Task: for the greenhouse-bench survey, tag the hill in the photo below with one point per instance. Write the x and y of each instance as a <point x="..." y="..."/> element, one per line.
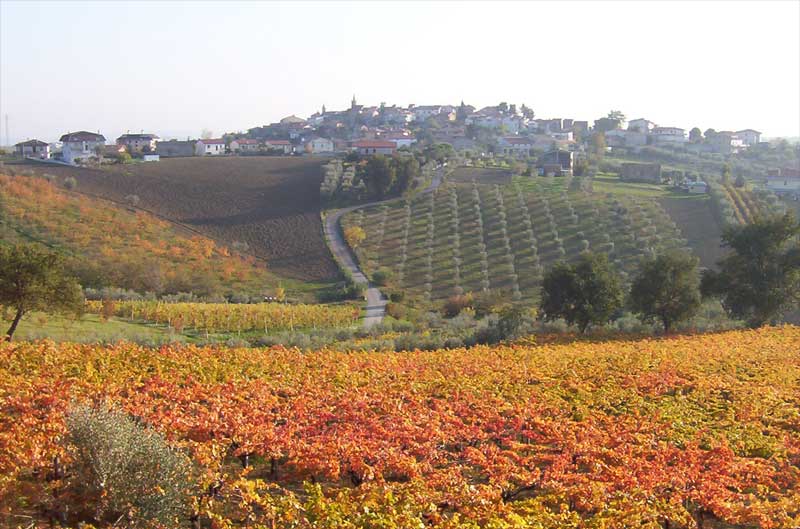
<point x="468" y="238"/>
<point x="269" y="204"/>
<point x="108" y="245"/>
<point x="674" y="432"/>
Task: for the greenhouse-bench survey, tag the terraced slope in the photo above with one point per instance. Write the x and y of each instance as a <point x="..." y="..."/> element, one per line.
<point x="475" y="237"/>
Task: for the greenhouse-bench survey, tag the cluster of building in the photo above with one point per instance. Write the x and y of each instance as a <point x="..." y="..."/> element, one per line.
<point x="641" y="132"/>
<point x="502" y="129"/>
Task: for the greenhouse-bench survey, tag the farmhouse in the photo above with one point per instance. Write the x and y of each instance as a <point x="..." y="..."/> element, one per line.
<point x="698" y="187"/>
<point x="245" y="145"/>
<point x="515" y="146"/>
<point x="668" y="135"/>
<point x="81" y="145"/>
<point x="557" y="162"/>
<point x="279" y="145"/>
<point x="641" y="172"/>
<point x="642" y="125"/>
<point x="138" y="142"/>
<point x="400" y="139"/>
<point x="211" y="147"/>
<point x="318" y="145"/>
<point x="369" y="147"/>
<point x="33" y="149"/>
<point x="175" y="148"/>
<point x="749" y="136"/>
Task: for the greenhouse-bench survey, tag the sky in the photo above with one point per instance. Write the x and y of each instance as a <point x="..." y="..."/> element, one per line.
<point x="177" y="68"/>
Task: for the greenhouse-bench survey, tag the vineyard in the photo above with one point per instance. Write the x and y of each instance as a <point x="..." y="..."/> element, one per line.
<point x="228" y="317"/>
<point x="737" y="205"/>
<point x="123" y="248"/>
<point x="690" y="431"/>
<point x="472" y="238"/>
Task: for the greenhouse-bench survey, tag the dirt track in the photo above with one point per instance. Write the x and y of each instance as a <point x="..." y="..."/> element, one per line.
<point x="270" y="203"/>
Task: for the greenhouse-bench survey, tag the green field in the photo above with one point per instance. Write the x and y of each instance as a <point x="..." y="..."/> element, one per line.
<point x="470" y="238"/>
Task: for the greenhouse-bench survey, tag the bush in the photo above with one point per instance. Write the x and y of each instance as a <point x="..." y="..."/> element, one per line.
<point x="70" y="183"/>
<point x="121" y="469"/>
<point x="455" y="304"/>
<point x="382" y="276"/>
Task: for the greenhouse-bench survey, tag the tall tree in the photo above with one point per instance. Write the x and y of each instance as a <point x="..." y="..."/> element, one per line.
<point x="34" y="279"/>
<point x="759" y="280"/>
<point x="617" y="115"/>
<point x="695" y="135"/>
<point x="585" y="293"/>
<point x="606" y="124"/>
<point x="666" y="289"/>
<point x="599" y="144"/>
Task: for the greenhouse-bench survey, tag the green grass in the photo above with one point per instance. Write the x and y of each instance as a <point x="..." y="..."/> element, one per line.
<point x="90" y="328"/>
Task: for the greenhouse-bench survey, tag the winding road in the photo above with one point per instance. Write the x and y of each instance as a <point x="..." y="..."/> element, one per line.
<point x="376" y="301"/>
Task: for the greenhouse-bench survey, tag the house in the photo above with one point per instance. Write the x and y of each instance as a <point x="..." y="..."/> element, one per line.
<point x="557" y="162"/>
<point x="641" y="172"/>
<point x="318" y="145"/>
<point x="138" y="142"/>
<point x="279" y="145"/>
<point x="783" y="185"/>
<point x="726" y="142"/>
<point x="209" y="147"/>
<point x="400" y="139"/>
<point x="33" y="149"/>
<point x="370" y="147"/>
<point x="749" y="136"/>
<point x="642" y="125"/>
<point x="625" y="138"/>
<point x="175" y="148"/>
<point x="245" y="145"/>
<point x="421" y="113"/>
<point x="668" y="135"/>
<point x="698" y="187"/>
<point x="561" y="135"/>
<point x="517" y="146"/>
<point x="81" y="145"/>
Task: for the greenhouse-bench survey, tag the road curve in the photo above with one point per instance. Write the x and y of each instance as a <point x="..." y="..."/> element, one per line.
<point x="376" y="301"/>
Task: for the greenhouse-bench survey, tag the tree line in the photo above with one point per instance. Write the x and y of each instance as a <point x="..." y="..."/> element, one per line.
<point x="757" y="282"/>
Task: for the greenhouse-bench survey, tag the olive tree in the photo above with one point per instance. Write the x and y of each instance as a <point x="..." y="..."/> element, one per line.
<point x="35" y="279"/>
<point x="666" y="289"/>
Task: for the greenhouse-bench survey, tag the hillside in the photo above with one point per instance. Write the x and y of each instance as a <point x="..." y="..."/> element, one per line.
<point x="109" y="245"/>
<point x="269" y="204"/>
<point x="467" y="238"/>
<point x="687" y="431"/>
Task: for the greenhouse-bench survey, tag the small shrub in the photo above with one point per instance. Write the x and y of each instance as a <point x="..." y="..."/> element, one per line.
<point x="123" y="469"/>
<point x="382" y="276"/>
<point x="70" y="183"/>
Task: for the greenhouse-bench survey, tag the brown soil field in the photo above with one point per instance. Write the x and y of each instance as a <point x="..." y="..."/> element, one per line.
<point x="270" y="203"/>
<point x="699" y="226"/>
<point x="482" y="175"/>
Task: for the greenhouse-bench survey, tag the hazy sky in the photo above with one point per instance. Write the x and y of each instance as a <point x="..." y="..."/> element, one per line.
<point x="177" y="68"/>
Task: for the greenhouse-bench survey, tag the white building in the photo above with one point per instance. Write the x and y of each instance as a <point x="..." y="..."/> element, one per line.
<point x="245" y="145"/>
<point x="210" y="147"/>
<point x="515" y="146"/>
<point x="668" y="135"/>
<point x="749" y="136"/>
<point x="319" y="146"/>
<point x="81" y="145"/>
<point x="642" y="125"/>
<point x="282" y="145"/>
<point x="424" y="112"/>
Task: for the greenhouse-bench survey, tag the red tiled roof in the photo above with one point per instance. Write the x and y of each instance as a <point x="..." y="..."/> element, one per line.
<point x="518" y="141"/>
<point x="31" y="143"/>
<point x="277" y="142"/>
<point x="374" y="144"/>
<point x="246" y="141"/>
<point x="212" y="141"/>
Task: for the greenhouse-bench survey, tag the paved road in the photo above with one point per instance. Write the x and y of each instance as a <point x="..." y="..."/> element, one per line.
<point x="376" y="301"/>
